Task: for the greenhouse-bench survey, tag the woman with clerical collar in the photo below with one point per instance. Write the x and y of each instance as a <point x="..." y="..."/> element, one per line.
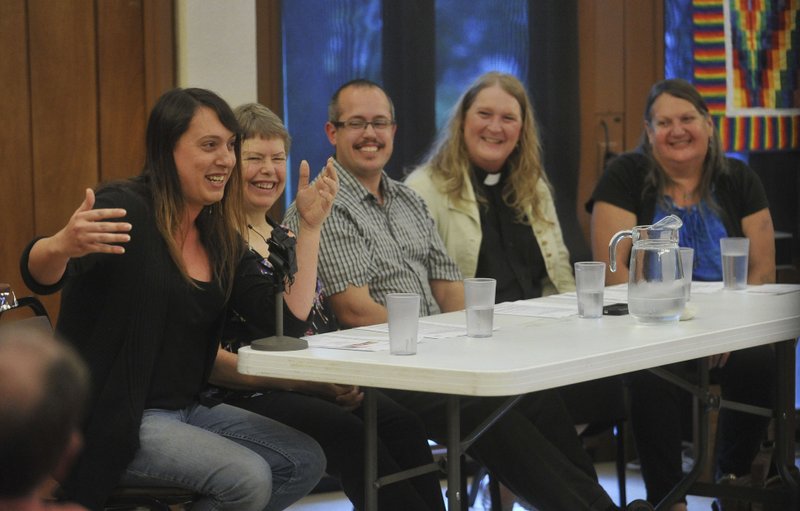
<point x="486" y="187"/>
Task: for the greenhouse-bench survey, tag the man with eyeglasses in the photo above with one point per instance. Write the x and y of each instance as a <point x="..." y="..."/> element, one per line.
<point x="380" y="239"/>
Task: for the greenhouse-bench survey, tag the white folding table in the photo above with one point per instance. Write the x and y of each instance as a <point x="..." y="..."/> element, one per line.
<point x="527" y="354"/>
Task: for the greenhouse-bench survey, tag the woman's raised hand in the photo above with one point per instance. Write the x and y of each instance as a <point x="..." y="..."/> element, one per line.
<point x="314" y="201"/>
<point x="89" y="231"/>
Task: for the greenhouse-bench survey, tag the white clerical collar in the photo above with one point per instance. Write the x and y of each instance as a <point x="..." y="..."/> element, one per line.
<point x="492" y="179"/>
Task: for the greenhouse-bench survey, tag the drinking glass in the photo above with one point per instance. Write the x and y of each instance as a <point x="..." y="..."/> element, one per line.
<point x="734" y="262"/>
<point x="590" y="280"/>
<point x="479" y="304"/>
<point x="403" y="322"/>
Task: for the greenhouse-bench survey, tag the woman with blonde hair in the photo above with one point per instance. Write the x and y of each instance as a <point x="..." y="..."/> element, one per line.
<point x="488" y="193"/>
<point x="486" y="187"/>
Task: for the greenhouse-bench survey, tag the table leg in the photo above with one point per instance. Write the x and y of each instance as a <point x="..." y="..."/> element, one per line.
<point x="453" y="453"/>
<point x="783" y="414"/>
<point x="703" y="403"/>
<point x="785" y="358"/>
<point x="370" y="451"/>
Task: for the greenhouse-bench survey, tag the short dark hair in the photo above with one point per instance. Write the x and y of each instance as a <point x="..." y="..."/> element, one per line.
<point x="44" y="385"/>
<point x="333" y="107"/>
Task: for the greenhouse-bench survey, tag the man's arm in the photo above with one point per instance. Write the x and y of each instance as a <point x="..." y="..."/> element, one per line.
<point x="355" y="307"/>
<point x="449" y="294"/>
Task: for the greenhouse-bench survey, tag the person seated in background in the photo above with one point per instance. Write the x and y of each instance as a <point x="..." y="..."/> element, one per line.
<point x="380" y="238"/>
<point x="488" y="192"/>
<point x="149" y="267"/>
<point x="680" y="169"/>
<point x="43" y="390"/>
<point x="329" y="413"/>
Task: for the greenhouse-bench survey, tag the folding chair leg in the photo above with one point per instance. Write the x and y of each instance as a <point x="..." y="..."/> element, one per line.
<point x="620" y="438"/>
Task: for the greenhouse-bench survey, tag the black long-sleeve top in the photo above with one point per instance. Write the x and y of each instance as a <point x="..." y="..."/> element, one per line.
<point x="119" y="311"/>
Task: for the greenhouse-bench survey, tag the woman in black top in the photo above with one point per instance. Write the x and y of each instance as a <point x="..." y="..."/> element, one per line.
<point x="148" y="268"/>
<point x="681" y="169"/>
<point x="330" y="413"/>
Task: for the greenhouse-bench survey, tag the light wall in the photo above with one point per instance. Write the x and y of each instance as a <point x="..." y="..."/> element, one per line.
<point x="216" y="47"/>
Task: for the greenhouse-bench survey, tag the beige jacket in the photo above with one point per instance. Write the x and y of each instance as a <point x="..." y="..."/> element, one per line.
<point x="459" y="225"/>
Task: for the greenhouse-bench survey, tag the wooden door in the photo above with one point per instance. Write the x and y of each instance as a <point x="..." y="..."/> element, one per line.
<point x="78" y="79"/>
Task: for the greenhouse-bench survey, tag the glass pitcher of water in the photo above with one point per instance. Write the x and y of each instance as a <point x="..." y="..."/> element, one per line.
<point x="655" y="280"/>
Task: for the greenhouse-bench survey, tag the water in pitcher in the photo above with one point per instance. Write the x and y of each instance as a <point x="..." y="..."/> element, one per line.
<point x="656" y="302"/>
<point x="656" y="286"/>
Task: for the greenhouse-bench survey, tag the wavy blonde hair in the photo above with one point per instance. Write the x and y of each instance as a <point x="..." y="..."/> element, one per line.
<point x="450" y="161"/>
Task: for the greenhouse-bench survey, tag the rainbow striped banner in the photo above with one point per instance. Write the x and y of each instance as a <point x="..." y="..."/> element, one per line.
<point x="747" y="67"/>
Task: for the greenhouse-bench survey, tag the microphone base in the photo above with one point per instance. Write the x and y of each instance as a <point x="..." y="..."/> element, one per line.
<point x="279" y="343"/>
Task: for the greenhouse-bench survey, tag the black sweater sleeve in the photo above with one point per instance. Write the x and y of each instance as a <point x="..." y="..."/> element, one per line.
<point x="253" y="298"/>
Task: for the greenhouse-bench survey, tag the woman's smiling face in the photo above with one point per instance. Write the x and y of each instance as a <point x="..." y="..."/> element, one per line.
<point x="264" y="171"/>
<point x="492" y="127"/>
<point x="678" y="132"/>
<point x="204" y="157"/>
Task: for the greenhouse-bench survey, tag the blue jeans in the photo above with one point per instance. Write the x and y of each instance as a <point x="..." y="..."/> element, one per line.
<point x="239" y="460"/>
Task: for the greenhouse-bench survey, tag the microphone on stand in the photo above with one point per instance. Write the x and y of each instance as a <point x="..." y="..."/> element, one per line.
<point x="282" y="257"/>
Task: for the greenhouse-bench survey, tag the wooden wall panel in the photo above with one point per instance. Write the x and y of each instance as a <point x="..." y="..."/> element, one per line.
<point x="621" y="56"/>
<point x="608" y="49"/>
<point x="159" y="49"/>
<point x="63" y="110"/>
<point x="63" y="107"/>
<point x="644" y="62"/>
<point x="78" y="80"/>
<point x="269" y="55"/>
<point x="121" y="79"/>
<point x="269" y="58"/>
<point x="16" y="172"/>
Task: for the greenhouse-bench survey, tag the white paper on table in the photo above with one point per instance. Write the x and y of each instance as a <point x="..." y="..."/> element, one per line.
<point x="701" y="287"/>
<point x="542" y="308"/>
<point x="773" y="289"/>
<point x="434" y="330"/>
<point x="706" y="288"/>
<point x="426" y="329"/>
<point x="358" y="339"/>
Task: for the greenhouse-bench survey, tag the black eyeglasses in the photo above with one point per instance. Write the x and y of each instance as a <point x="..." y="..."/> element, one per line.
<point x="361" y="124"/>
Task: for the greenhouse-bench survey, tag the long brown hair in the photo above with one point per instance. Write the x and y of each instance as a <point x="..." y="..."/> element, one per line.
<point x="220" y="223"/>
<point x="714" y="164"/>
<point x="450" y="162"/>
